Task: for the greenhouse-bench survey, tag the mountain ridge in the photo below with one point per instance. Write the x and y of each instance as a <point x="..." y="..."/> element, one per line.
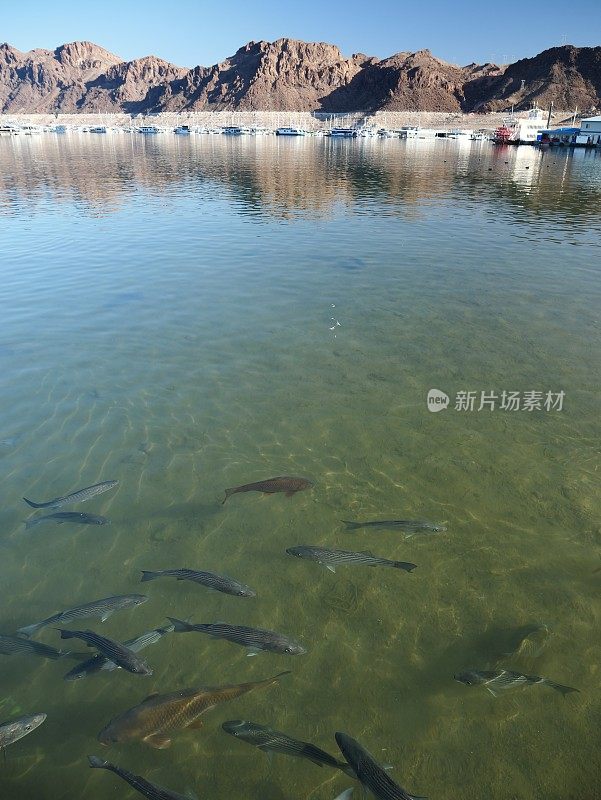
<point x="292" y="75"/>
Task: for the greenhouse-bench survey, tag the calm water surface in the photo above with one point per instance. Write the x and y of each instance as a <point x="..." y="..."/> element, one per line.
<point x="170" y="312"/>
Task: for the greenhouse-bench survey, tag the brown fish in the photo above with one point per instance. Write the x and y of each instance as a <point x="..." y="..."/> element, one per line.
<point x="285" y="483"/>
<point x="159" y="714"/>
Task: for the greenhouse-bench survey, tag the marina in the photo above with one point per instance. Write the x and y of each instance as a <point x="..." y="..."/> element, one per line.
<point x="527" y="128"/>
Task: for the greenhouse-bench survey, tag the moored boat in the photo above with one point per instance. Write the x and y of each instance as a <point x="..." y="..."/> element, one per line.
<point x="289" y="131"/>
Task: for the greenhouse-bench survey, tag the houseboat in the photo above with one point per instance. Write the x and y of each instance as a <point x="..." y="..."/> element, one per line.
<point x="288" y="131"/>
<point x="148" y="129"/>
<point x="182" y="130"/>
<point x="343" y="133"/>
<point x="522" y="130"/>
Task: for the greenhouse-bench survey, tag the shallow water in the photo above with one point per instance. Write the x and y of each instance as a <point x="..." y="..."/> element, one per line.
<point x="169" y="319"/>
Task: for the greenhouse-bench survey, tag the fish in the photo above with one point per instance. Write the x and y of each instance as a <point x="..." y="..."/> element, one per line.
<point x="333" y="558"/>
<point x="221" y="583"/>
<point x="97" y="608"/>
<point x="346" y="795"/>
<point x="369" y="773"/>
<point x="76" y="497"/>
<point x="254" y="639"/>
<point x="502" y="679"/>
<point x="271" y="741"/>
<point x="98" y="663"/>
<point x="10" y="645"/>
<point x="16" y="729"/>
<point x="412" y="526"/>
<point x="287" y="484"/>
<point x="68" y="516"/>
<point x="121" y="655"/>
<point x="140" y="784"/>
<point x="159" y="714"/>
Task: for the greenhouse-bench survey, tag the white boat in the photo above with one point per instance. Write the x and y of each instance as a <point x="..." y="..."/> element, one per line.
<point x="148" y="129"/>
<point x="385" y="133"/>
<point x="526" y="130"/>
<point x="408" y="132"/>
<point x="343" y="133"/>
<point x="10" y="129"/>
<point x="30" y="130"/>
<point x="182" y="130"/>
<point x="98" y="129"/>
<point x="232" y="130"/>
<point x="479" y="136"/>
<point x="288" y="131"/>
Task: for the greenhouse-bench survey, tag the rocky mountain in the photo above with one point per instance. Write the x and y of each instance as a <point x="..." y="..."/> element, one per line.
<point x="292" y="75"/>
<point x="568" y="76"/>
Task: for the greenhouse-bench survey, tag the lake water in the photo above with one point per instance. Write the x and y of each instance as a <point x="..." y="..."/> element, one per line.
<point x="186" y="314"/>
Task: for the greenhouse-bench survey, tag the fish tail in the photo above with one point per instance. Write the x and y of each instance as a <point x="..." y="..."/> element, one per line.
<point x="228" y="492"/>
<point x="179" y="625"/>
<point x="406" y="565"/>
<point x="34" y="505"/>
<point x="29" y="630"/>
<point x="351" y="526"/>
<point x="65" y="634"/>
<point x="561" y="688"/>
<point x="94" y="761"/>
<point x="148" y="576"/>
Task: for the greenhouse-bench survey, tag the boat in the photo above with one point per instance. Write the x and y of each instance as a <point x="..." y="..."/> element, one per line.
<point x="10" y="129"/>
<point x="98" y="129"/>
<point x="148" y="129"/>
<point x="521" y="130"/>
<point x="288" y="131"/>
<point x="182" y="130"/>
<point x="385" y="133"/>
<point x="479" y="136"/>
<point x="30" y="130"/>
<point x="232" y="130"/>
<point x="343" y="133"/>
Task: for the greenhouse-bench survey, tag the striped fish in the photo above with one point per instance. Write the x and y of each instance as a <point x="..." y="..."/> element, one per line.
<point x="150" y="790"/>
<point x="11" y="732"/>
<point x="254" y="639"/>
<point x="99" y="662"/>
<point x="221" y="583"/>
<point x="77" y="497"/>
<point x="271" y="741"/>
<point x="114" y="651"/>
<point x="11" y="645"/>
<point x="369" y="773"/>
<point x="333" y="558"/>
<point x="97" y="608"/>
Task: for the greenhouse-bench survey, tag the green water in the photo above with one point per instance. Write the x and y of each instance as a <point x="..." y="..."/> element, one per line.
<point x="167" y="314"/>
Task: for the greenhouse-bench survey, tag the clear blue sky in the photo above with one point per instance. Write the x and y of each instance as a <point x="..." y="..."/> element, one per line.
<point x="190" y="33"/>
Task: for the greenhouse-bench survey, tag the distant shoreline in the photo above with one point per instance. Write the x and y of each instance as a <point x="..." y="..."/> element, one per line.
<point x="309" y="121"/>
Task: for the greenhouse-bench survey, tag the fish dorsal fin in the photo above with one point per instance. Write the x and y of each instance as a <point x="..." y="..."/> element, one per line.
<point x="367" y="553"/>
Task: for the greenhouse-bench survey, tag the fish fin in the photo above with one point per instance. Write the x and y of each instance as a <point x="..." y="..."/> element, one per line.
<point x="368" y="553"/>
<point x="346" y="795"/>
<point x="148" y="576"/>
<point x="406" y="565"/>
<point x="252" y="653"/>
<point x="94" y="761"/>
<point x="351" y="526"/>
<point x="196" y="725"/>
<point x="228" y="492"/>
<point x="106" y="615"/>
<point x="417" y="797"/>
<point x="488" y="689"/>
<point x="34" y="505"/>
<point x="561" y="688"/>
<point x="157" y="740"/>
<point x="409" y="535"/>
<point x="330" y="567"/>
<point x="150" y="696"/>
